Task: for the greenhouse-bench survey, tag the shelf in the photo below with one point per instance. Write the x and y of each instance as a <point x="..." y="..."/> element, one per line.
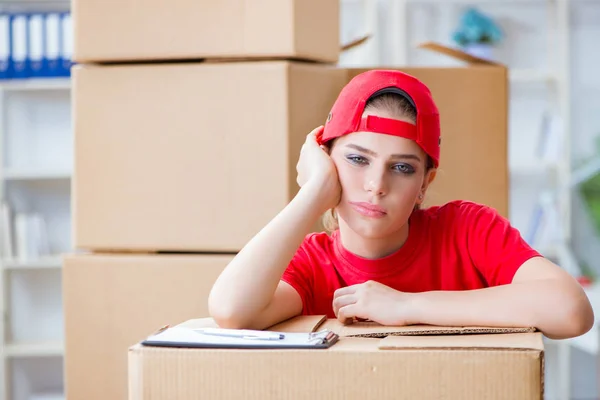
<point x="35" y="84"/>
<point x="47" y="396"/>
<point x="531" y="168"/>
<point x="23" y="175"/>
<point x="530" y="75"/>
<point x="48" y="262"/>
<point x="34" y="349"/>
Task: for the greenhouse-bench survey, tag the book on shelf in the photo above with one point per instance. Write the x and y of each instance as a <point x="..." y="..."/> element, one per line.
<point x="24" y="235"/>
<point x="31" y="236"/>
<point x="7" y="248"/>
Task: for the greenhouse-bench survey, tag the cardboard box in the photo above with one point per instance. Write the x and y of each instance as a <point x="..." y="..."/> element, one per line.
<point x="112" y="301"/>
<point x="193" y="156"/>
<point x="183" y="29"/>
<point x="201" y="156"/>
<point x="368" y="362"/>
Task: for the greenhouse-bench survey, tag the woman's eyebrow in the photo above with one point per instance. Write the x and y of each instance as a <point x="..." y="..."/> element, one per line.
<point x="393" y="156"/>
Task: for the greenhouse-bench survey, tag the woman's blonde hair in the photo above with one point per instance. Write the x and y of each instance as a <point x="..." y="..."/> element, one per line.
<point x="396" y="105"/>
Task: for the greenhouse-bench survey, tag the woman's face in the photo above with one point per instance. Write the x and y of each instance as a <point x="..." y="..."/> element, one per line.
<point x="381" y="178"/>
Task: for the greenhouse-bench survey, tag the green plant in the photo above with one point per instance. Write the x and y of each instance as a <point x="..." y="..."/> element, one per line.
<point x="590" y="192"/>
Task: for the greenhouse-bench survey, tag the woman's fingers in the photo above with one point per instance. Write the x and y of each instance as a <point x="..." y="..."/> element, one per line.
<point x="314" y="134"/>
<point x="342" y="301"/>
<point x="347" y="313"/>
<point x="345" y="290"/>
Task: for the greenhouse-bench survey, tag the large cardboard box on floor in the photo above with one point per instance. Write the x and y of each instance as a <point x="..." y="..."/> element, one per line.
<point x="185" y="29"/>
<point x="367" y="362"/>
<point x="201" y="156"/>
<point x="112" y="301"/>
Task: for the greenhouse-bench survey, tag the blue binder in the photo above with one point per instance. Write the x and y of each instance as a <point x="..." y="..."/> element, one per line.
<point x="36" y="45"/>
<point x="66" y="34"/>
<point x="5" y="39"/>
<point x="52" y="44"/>
<point x="19" y="46"/>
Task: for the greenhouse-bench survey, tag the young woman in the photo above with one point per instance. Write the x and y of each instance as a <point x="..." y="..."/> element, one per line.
<point x="387" y="259"/>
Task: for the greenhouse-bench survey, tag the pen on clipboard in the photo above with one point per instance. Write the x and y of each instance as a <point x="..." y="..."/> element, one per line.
<point x="242" y="333"/>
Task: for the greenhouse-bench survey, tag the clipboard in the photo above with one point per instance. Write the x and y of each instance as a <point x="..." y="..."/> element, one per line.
<point x="217" y="338"/>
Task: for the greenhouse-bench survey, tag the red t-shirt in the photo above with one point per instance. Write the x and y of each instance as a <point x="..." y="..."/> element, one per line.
<point x="458" y="246"/>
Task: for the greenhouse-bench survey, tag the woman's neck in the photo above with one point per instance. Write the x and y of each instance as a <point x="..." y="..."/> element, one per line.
<point x="372" y="248"/>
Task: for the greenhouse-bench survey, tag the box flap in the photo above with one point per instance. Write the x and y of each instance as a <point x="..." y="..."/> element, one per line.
<point x="312" y="323"/>
<point x="456" y="53"/>
<point x="355" y="43"/>
<point x="301" y="323"/>
<point x="511" y="341"/>
<point x="372" y="329"/>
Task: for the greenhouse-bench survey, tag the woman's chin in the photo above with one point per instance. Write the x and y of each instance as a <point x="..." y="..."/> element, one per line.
<point x="370" y="229"/>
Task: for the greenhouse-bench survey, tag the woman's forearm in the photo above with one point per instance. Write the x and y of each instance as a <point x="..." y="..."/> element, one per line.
<point x="248" y="283"/>
<point x="556" y="309"/>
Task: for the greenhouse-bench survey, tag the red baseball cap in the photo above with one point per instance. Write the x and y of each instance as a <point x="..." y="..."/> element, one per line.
<point x="346" y="114"/>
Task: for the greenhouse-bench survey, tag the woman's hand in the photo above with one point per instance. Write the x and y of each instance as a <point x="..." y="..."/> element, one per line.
<point x="373" y="301"/>
<point x="316" y="169"/>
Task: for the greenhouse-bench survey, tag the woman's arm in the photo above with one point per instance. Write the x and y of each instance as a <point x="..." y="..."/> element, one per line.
<point x="542" y="295"/>
<point x="244" y="290"/>
<point x="249" y="292"/>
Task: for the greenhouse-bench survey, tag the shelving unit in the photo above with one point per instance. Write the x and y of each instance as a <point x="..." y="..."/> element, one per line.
<point x="45" y="262"/>
<point x="24" y="175"/>
<point x="36" y="163"/>
<point x="35" y="172"/>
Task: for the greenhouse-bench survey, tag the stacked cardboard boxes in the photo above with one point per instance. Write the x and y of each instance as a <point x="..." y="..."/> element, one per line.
<point x="188" y="121"/>
<point x="189" y="117"/>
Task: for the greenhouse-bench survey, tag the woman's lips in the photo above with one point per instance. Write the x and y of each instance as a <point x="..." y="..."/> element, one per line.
<point x="368" y="209"/>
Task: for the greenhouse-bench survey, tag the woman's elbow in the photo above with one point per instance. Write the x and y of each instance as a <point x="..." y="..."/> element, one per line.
<point x="223" y="312"/>
<point x="582" y="317"/>
<point x="577" y="318"/>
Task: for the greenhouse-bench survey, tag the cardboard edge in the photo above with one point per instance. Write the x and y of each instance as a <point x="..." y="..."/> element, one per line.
<point x="438" y="331"/>
<point x="374" y="330"/>
<point x="457" y="54"/>
<point x="493" y="342"/>
<point x="466" y="348"/>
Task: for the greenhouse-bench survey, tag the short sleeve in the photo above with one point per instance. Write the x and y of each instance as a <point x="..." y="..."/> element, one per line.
<point x="495" y="246"/>
<point x="299" y="274"/>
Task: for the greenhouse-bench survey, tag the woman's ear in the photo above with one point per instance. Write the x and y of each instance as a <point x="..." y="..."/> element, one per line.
<point x="429" y="178"/>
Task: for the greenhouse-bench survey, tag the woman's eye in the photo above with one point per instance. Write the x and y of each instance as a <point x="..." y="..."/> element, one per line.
<point x="404" y="168"/>
<point x="356" y="159"/>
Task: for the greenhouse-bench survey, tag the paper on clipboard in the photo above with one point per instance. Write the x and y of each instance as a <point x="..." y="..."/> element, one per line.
<point x="242" y="339"/>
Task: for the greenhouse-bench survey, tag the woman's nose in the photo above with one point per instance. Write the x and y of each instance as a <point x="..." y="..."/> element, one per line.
<point x="375" y="184"/>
